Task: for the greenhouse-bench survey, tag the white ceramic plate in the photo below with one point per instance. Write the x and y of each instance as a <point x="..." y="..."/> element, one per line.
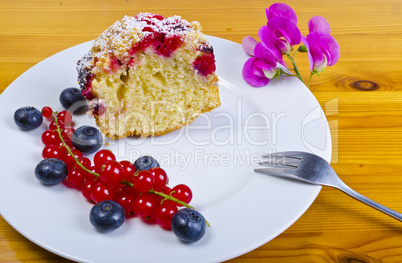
<point x="215" y="156"/>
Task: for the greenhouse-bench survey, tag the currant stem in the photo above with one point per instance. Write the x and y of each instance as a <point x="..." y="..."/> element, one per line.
<point x="68" y="148"/>
<point x="169" y="197"/>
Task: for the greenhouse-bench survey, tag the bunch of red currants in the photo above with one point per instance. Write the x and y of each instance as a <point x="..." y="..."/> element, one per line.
<point x="141" y="192"/>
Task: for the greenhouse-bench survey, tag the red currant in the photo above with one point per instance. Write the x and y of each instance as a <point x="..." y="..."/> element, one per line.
<point x="131" y="191"/>
<point x="53" y="151"/>
<point x="164" y="214"/>
<point x="118" y="188"/>
<point x="53" y="126"/>
<point x="160" y="178"/>
<point x="95" y="169"/>
<point x="103" y="156"/>
<point x="47" y="112"/>
<point x="87" y="189"/>
<point x="167" y="191"/>
<point x="68" y="132"/>
<point x="144" y="205"/>
<point x="66" y="139"/>
<point x="129" y="170"/>
<point x="86" y="162"/>
<point x="76" y="177"/>
<point x="65" y="116"/>
<point x="90" y="176"/>
<point x="159" y="199"/>
<point x="66" y="183"/>
<point x="102" y="192"/>
<point x="125" y="200"/>
<point x="50" y="137"/>
<point x="69" y="144"/>
<point x="68" y="158"/>
<point x="144" y="181"/>
<point x="111" y="172"/>
<point x="183" y="193"/>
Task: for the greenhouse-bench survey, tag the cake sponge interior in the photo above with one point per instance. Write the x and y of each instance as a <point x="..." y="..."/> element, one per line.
<point x="154" y="96"/>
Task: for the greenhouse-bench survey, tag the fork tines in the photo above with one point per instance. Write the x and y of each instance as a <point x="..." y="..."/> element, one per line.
<point x="281" y="160"/>
<point x="289" y="154"/>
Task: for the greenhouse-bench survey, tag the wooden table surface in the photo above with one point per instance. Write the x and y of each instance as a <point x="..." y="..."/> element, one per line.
<point x="361" y="96"/>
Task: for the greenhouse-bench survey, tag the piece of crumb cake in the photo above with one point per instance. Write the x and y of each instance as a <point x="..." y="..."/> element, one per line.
<point x="147" y="75"/>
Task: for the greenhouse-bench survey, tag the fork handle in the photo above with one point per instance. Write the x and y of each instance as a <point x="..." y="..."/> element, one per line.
<point x="346" y="189"/>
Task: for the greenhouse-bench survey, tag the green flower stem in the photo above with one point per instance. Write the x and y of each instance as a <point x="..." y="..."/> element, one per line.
<point x="69" y="150"/>
<point x="295" y="67"/>
<point x="290" y="75"/>
<point x="294" y="54"/>
<point x="309" y="80"/>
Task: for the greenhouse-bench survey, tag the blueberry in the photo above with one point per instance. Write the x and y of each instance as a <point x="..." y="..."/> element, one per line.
<point x="28" y="118"/>
<point x="72" y="100"/>
<point x="51" y="171"/>
<point x="87" y="139"/>
<point x="188" y="225"/>
<point x="107" y="215"/>
<point x="145" y="162"/>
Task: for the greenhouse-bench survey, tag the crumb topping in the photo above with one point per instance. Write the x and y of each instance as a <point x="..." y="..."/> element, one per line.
<point x="85" y="76"/>
<point x="126" y="43"/>
<point x="122" y="35"/>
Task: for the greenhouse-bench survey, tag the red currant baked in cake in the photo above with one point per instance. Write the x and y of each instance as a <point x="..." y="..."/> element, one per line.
<point x="148" y="75"/>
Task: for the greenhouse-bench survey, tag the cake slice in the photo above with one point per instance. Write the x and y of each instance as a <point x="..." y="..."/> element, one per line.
<point x="147" y="75"/>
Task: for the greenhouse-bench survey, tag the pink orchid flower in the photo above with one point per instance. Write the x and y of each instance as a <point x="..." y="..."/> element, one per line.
<point x="281" y="32"/>
<point x="323" y="50"/>
<point x="278" y="38"/>
<point x="259" y="70"/>
<point x="249" y="44"/>
<point x="279" y="35"/>
<point x="281" y="10"/>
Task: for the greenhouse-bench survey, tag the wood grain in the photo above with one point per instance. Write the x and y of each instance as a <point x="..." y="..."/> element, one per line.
<point x="361" y="95"/>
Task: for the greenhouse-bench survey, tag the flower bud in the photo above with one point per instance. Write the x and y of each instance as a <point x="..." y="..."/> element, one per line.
<point x="303" y="49"/>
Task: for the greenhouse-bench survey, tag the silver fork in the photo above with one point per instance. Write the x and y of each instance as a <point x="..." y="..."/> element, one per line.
<point x="313" y="169"/>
